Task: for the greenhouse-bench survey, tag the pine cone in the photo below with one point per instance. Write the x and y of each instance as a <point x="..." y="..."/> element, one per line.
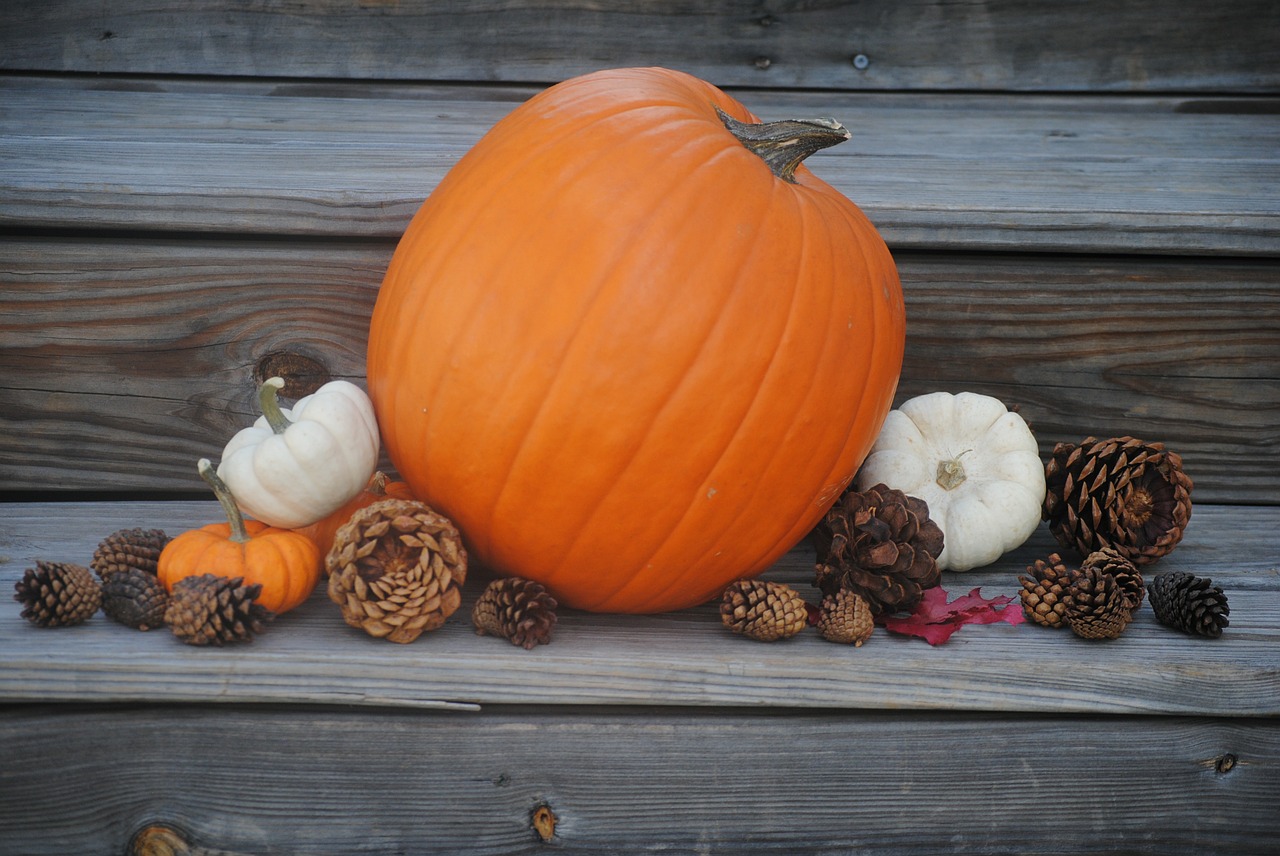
<point x="518" y="610"/>
<point x="134" y="598"/>
<point x="129" y="548"/>
<point x="881" y="544"/>
<point x="57" y="594"/>
<point x="845" y="617"/>
<point x="1095" y="605"/>
<point x="1121" y="493"/>
<point x="1109" y="561"/>
<point x="1189" y="603"/>
<point x="1043" y="591"/>
<point x="396" y="569"/>
<point x="212" y="610"/>
<point x="764" y="611"/>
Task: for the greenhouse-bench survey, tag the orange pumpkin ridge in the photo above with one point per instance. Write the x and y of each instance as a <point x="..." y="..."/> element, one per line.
<point x="626" y="356"/>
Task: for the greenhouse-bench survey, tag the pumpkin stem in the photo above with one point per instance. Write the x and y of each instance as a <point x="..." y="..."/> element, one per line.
<point x="269" y="401"/>
<point x="951" y="473"/>
<point x="783" y="145"/>
<point x="238" y="532"/>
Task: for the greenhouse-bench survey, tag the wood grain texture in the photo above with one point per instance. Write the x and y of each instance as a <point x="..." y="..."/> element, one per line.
<point x="682" y="658"/>
<point x="1143" y="45"/>
<point x="331" y="781"/>
<point x="124" y="361"/>
<point x="1033" y="173"/>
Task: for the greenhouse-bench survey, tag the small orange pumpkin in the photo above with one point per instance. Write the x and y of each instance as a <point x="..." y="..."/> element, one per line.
<point x="321" y="532"/>
<point x="285" y="563"/>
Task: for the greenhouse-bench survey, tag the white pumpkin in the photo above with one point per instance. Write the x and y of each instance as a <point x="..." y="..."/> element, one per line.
<point x="973" y="461"/>
<point x="296" y="466"/>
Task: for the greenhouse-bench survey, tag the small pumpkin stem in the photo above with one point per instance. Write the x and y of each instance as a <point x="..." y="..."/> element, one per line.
<point x="269" y="401"/>
<point x="783" y="145"/>
<point x="951" y="473"/>
<point x="238" y="532"/>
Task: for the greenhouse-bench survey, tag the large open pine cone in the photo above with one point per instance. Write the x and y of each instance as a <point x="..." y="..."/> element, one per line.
<point x="396" y="569"/>
<point x="881" y="544"/>
<point x="1121" y="493"/>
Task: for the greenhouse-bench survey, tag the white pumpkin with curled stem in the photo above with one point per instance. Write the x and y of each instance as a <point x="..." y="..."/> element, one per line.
<point x="973" y="461"/>
<point x="295" y="466"/>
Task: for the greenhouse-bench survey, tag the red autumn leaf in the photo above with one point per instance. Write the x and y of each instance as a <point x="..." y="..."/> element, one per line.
<point x="934" y="619"/>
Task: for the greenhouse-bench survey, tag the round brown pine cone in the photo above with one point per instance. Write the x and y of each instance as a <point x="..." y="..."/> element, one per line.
<point x="881" y="544"/>
<point x="134" y="598"/>
<point x="1095" y="605"/>
<point x="396" y="569"/>
<point x="213" y="610"/>
<point x="57" y="594"/>
<point x="845" y="617"/>
<point x="1043" y="590"/>
<point x="518" y="610"/>
<point x="1189" y="603"/>
<point x="1121" y="493"/>
<point x="1109" y="561"/>
<point x="129" y="548"/>
<point x="764" y="611"/>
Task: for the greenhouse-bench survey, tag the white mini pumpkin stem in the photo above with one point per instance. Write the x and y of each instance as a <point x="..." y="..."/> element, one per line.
<point x="238" y="531"/>
<point x="269" y="401"/>
<point x="951" y="472"/>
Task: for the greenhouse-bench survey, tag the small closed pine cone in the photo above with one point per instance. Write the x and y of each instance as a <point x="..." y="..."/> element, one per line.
<point x="58" y="594"/>
<point x="134" y="598"/>
<point x="881" y="544"/>
<point x="764" y="611"/>
<point x="1043" y="591"/>
<point x="845" y="617"/>
<point x="1189" y="603"/>
<point x="211" y="610"/>
<point x="396" y="569"/>
<point x="1109" y="561"/>
<point x="1095" y="605"/>
<point x="518" y="610"/>
<point x="129" y="548"/>
<point x="1122" y="493"/>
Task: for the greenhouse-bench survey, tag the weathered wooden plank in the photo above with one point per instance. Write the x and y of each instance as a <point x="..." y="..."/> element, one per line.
<point x="872" y="44"/>
<point x="322" y="781"/>
<point x="960" y="171"/>
<point x="122" y="362"/>
<point x="674" y="659"/>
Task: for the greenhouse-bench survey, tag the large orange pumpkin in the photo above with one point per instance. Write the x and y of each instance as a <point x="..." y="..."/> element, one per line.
<point x="632" y="353"/>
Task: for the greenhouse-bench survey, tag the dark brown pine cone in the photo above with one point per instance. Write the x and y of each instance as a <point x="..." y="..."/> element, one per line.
<point x="57" y="594"/>
<point x="134" y="598"/>
<point x="881" y="544"/>
<point x="129" y="548"/>
<point x="518" y="610"/>
<point x="1043" y="591"/>
<point x="213" y="610"/>
<point x="764" y="611"/>
<point x="845" y="617"/>
<point x="1122" y="493"/>
<point x="1109" y="561"/>
<point x="1189" y="603"/>
<point x="1095" y="605"/>
<point x="396" y="569"/>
